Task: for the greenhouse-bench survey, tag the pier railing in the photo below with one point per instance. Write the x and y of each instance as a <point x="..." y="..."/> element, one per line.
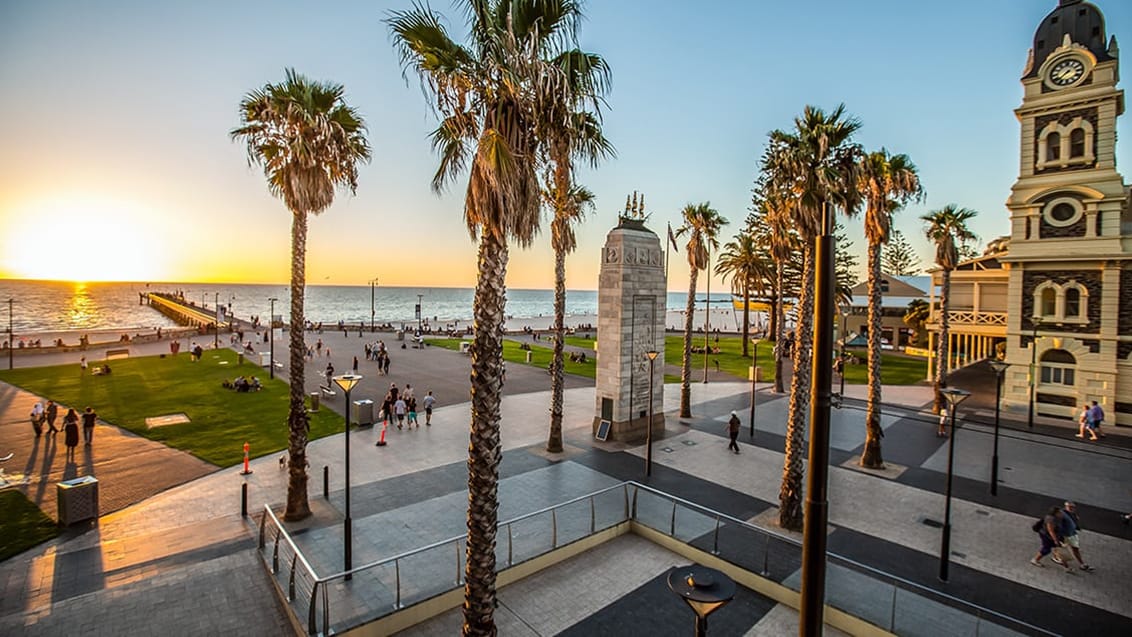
<point x="336" y="602"/>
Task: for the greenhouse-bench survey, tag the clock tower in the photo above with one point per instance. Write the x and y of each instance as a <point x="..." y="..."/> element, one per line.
<point x="1069" y="326"/>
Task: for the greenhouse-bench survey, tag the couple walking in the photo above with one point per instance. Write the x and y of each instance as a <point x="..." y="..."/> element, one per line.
<point x="1090" y="421"/>
<point x="1058" y="529"/>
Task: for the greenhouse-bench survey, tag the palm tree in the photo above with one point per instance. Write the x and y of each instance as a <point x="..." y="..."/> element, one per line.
<point x="309" y="142"/>
<point x="568" y="132"/>
<point x="946" y="228"/>
<point x="915" y="317"/>
<point x="702" y="224"/>
<point x="817" y="163"/>
<point x="487" y="95"/>
<point x="783" y="246"/>
<point x="888" y="183"/>
<point x="568" y="211"/>
<point x="742" y="262"/>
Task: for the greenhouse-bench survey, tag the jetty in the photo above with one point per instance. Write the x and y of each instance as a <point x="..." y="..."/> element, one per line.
<point x="183" y="311"/>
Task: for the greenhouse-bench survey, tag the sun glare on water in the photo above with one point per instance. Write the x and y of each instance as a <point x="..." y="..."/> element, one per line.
<point x="87" y="240"/>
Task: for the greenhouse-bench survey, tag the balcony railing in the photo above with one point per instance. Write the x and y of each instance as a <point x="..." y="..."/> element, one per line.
<point x="335" y="603"/>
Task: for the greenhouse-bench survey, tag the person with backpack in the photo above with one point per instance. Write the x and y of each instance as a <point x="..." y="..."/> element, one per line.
<point x="1070" y="524"/>
<point x="1048" y="529"/>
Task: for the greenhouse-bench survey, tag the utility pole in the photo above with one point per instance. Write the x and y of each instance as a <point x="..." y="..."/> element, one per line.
<point x="11" y="337"/>
<point x="420" y="297"/>
<point x="372" y="305"/>
<point x="271" y="335"/>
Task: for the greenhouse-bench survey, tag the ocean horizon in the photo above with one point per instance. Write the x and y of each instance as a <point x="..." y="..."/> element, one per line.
<point x="50" y="307"/>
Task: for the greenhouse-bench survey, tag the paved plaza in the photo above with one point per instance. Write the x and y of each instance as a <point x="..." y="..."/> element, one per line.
<point x="181" y="560"/>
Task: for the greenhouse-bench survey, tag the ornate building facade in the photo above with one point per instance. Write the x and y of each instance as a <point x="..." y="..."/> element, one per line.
<point x="1068" y="264"/>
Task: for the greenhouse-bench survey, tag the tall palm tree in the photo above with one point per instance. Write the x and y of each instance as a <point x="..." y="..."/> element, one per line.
<point x="702" y="224"/>
<point x="783" y="246"/>
<point x="742" y="262"/>
<point x="309" y="142"/>
<point x="817" y="162"/>
<point x="946" y="228"/>
<point x="487" y="95"/>
<point x="888" y="183"/>
<point x="568" y="131"/>
<point x="568" y="211"/>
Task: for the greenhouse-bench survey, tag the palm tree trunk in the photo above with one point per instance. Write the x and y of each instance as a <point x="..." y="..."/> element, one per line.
<point x="871" y="457"/>
<point x="746" y="319"/>
<point x="790" y="495"/>
<point x="298" y="424"/>
<point x="686" y="365"/>
<point x="941" y="347"/>
<point x="554" y="443"/>
<point x="779" y="321"/>
<point x="484" y="451"/>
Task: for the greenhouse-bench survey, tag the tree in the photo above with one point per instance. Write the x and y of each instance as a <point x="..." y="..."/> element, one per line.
<point x="844" y="264"/>
<point x="487" y="95"/>
<point x="969" y="250"/>
<point x="888" y="183"/>
<point x="916" y="317"/>
<point x="741" y="262"/>
<point x="702" y="224"/>
<point x="309" y="143"/>
<point x="946" y="228"/>
<point x="816" y="164"/>
<point x="568" y="132"/>
<point x="898" y="257"/>
<point x="770" y="223"/>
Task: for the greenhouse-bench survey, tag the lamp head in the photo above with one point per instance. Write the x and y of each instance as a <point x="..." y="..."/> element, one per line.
<point x="652" y="354"/>
<point x="955" y="395"/>
<point x="999" y="366"/>
<point x="346" y="382"/>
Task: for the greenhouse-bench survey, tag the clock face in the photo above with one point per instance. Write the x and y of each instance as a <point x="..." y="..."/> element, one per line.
<point x="1066" y="72"/>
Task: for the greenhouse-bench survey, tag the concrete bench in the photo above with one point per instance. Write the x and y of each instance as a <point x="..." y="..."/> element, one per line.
<point x="112" y="354"/>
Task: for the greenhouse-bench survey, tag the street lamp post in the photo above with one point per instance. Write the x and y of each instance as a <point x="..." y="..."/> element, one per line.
<point x="216" y="321"/>
<point x="754" y="379"/>
<point x="841" y="351"/>
<point x="707" y="315"/>
<point x="1036" y="322"/>
<point x="372" y="305"/>
<point x="11" y="337"/>
<point x="346" y="382"/>
<point x="652" y="354"/>
<point x="999" y="368"/>
<point x="420" y="297"/>
<point x="271" y="334"/>
<point x="954" y="396"/>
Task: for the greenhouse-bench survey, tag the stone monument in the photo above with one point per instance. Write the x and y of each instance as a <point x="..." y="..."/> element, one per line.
<point x="631" y="301"/>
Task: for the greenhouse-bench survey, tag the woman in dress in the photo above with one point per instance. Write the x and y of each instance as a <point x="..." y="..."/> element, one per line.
<point x="71" y="431"/>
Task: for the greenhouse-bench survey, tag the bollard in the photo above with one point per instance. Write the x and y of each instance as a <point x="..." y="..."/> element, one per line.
<point x="244" y="500"/>
<point x="247" y="470"/>
<point x="326" y="482"/>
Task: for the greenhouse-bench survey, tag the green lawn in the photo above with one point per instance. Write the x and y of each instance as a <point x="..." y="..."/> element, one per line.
<point x="153" y="386"/>
<point x="23" y="525"/>
<point x="896" y="368"/>
<point x="540" y="356"/>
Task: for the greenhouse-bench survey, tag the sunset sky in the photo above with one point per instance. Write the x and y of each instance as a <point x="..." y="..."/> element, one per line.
<point x="116" y="164"/>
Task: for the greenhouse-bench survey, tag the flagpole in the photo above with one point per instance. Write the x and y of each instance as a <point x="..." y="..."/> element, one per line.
<point x="707" y="319"/>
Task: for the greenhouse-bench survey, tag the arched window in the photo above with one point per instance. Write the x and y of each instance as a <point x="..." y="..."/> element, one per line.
<point x="1049" y="302"/>
<point x="1058" y="367"/>
<point x="1073" y="303"/>
<point x="1053" y="147"/>
<point x="1077" y="143"/>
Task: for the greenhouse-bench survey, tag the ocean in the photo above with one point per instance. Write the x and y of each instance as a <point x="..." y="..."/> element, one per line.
<point x="50" y="307"/>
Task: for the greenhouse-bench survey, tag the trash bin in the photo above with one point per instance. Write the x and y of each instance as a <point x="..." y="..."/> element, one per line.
<point x="239" y="358"/>
<point x="77" y="500"/>
<point x="361" y="413"/>
<point x="315" y="399"/>
<point x="265" y="359"/>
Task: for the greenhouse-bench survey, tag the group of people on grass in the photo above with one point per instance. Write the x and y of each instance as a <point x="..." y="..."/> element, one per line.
<point x="47" y="415"/>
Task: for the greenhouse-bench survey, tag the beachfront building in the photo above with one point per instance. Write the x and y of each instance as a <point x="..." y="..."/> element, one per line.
<point x="1058" y="293"/>
<point x="897" y="292"/>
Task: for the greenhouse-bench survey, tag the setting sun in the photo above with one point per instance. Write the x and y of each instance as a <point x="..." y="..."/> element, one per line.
<point x="81" y="240"/>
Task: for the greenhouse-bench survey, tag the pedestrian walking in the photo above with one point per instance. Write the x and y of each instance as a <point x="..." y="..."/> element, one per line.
<point x="385" y="364"/>
<point x="413" y="411"/>
<point x="386" y="409"/>
<point x="1096" y="417"/>
<point x="399" y="408"/>
<point x="429" y="401"/>
<point x="394" y="393"/>
<point x="355" y="364"/>
<point x="941" y="432"/>
<point x="82" y="364"/>
<point x="71" y="431"/>
<point x="51" y="413"/>
<point x="89" y="417"/>
<point x="733" y="431"/>
<point x="1085" y="424"/>
<point x="1049" y="534"/>
<point x="1070" y="525"/>
<point x="37" y="419"/>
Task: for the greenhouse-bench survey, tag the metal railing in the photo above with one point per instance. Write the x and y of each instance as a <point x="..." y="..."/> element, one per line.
<point x="379" y="588"/>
